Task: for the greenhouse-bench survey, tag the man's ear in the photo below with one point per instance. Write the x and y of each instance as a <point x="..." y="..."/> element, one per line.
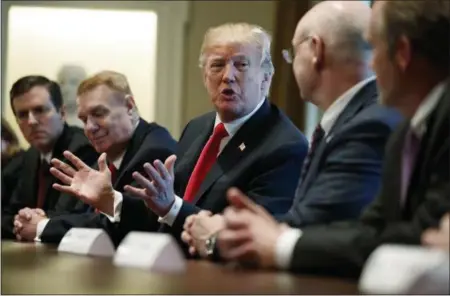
<point x="318" y="50"/>
<point x="130" y="103"/>
<point x="403" y="53"/>
<point x="63" y="112"/>
<point x="265" y="85"/>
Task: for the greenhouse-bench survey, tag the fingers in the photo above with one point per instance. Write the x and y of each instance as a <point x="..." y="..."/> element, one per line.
<point x="235" y="219"/>
<point x="185" y="237"/>
<point x="162" y="170"/>
<point x="25" y="213"/>
<point x="69" y="190"/>
<point x="233" y="243"/>
<point x="154" y="175"/>
<point x="170" y="164"/>
<point x="188" y="222"/>
<point x="192" y="250"/>
<point x="61" y="176"/>
<point x="205" y="213"/>
<point x="102" y="163"/>
<point x="146" y="184"/>
<point x="64" y="167"/>
<point x="18" y="226"/>
<point x="137" y="192"/>
<point x="40" y="212"/>
<point x="78" y="163"/>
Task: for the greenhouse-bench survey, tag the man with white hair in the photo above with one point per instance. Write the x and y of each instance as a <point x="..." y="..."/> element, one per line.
<point x="341" y="175"/>
<point x="246" y="142"/>
<point x="411" y="61"/>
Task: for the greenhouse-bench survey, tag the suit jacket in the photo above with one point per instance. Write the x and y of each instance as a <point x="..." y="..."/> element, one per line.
<point x="149" y="142"/>
<point x="342" y="248"/>
<point x="26" y="191"/>
<point x="351" y="154"/>
<point x="267" y="170"/>
<point x="11" y="170"/>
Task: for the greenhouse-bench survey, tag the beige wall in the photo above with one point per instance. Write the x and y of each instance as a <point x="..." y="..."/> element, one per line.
<point x="202" y="15"/>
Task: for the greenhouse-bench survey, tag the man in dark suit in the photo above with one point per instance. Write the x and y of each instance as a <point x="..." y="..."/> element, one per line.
<point x="38" y="107"/>
<point x="126" y="141"/>
<point x="415" y="192"/>
<point x="247" y="143"/>
<point x="347" y="146"/>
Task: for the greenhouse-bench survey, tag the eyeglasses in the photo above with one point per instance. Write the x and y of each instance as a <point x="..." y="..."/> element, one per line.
<point x="288" y="54"/>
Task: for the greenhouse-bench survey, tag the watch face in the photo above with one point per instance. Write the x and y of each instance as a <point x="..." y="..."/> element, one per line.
<point x="209" y="245"/>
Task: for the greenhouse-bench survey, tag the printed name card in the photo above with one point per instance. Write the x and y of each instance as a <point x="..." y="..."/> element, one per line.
<point x="393" y="269"/>
<point x="87" y="241"/>
<point x="155" y="252"/>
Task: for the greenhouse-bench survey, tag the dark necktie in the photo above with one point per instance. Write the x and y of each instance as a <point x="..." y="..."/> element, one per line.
<point x="205" y="162"/>
<point x="316" y="139"/>
<point x="42" y="183"/>
<point x="411" y="147"/>
<point x="113" y="170"/>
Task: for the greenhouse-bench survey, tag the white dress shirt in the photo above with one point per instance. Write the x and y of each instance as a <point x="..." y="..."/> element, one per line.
<point x="288" y="239"/>
<point x="232" y="128"/>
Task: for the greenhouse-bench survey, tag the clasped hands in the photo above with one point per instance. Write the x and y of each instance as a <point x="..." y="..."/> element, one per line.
<point x="25" y="223"/>
<point x="94" y="187"/>
<point x="246" y="232"/>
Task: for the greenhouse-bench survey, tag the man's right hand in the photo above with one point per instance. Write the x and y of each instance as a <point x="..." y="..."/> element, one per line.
<point x="90" y="186"/>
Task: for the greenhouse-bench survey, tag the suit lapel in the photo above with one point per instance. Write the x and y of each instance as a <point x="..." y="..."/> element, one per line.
<point x="247" y="136"/>
<point x="365" y="96"/>
<point x="187" y="163"/>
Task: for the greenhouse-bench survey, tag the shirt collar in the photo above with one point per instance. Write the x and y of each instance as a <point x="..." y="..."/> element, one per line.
<point x="118" y="161"/>
<point x="332" y="113"/>
<point x="418" y="122"/>
<point x="47" y="157"/>
<point x="233" y="126"/>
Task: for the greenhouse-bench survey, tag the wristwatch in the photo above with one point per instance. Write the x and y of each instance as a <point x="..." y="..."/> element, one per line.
<point x="210" y="244"/>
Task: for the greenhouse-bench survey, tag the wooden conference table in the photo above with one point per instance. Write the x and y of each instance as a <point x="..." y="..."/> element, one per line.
<point x="39" y="269"/>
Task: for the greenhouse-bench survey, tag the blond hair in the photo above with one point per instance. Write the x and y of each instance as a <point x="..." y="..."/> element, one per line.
<point x="113" y="80"/>
<point x="239" y="33"/>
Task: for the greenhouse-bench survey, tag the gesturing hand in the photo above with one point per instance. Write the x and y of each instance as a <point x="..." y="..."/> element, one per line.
<point x="157" y="191"/>
<point x="90" y="186"/>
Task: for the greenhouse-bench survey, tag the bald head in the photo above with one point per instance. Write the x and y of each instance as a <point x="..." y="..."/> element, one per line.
<point x="341" y="26"/>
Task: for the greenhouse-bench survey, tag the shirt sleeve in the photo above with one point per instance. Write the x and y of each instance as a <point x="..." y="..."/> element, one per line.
<point x="40" y="228"/>
<point x="118" y="198"/>
<point x="170" y="217"/>
<point x="284" y="247"/>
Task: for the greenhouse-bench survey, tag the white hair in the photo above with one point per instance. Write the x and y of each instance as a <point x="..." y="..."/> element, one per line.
<point x="240" y="33"/>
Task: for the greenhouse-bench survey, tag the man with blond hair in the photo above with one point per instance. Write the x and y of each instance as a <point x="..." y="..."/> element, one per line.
<point x="125" y="141"/>
<point x="246" y="142"/>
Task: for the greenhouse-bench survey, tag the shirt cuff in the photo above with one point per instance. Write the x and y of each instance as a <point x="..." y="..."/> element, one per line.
<point x="118" y="198"/>
<point x="284" y="247"/>
<point x="40" y="228"/>
<point x="170" y="217"/>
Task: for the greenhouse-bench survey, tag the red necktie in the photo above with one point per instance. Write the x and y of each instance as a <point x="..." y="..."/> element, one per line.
<point x="205" y="162"/>
<point x="113" y="171"/>
<point x="42" y="184"/>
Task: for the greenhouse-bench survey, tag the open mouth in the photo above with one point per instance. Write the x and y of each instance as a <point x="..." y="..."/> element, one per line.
<point x="228" y="92"/>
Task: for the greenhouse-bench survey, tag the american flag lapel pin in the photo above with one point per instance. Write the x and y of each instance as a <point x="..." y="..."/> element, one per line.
<point x="242" y="147"/>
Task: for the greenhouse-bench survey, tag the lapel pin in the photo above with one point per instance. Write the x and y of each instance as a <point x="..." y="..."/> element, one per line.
<point x="242" y="147"/>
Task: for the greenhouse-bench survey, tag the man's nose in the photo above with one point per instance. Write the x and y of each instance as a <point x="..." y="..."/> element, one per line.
<point x="32" y="120"/>
<point x="229" y="74"/>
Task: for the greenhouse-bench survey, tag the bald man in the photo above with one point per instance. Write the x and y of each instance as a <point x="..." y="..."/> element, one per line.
<point x="341" y="174"/>
<point x="412" y="66"/>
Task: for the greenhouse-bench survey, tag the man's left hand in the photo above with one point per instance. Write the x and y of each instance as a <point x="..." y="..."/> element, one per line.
<point x="250" y="233"/>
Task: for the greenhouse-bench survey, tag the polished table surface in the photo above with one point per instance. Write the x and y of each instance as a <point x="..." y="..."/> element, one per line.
<point x="38" y="269"/>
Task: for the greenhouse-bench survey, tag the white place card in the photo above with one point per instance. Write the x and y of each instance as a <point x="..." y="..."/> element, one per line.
<point x="87" y="241"/>
<point x="393" y="269"/>
<point x="156" y="252"/>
